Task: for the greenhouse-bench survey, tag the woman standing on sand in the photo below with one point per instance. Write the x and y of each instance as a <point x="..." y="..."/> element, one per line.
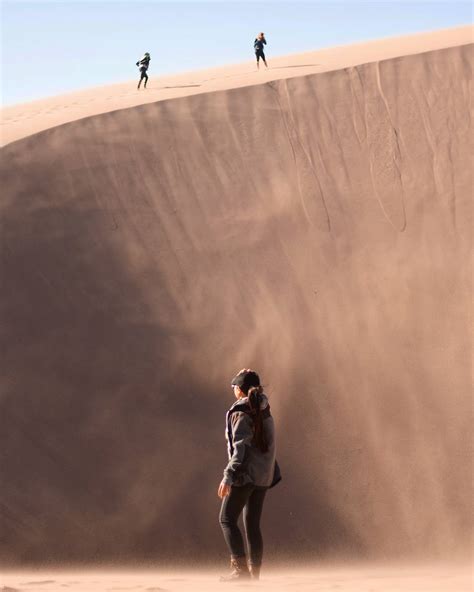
<point x="143" y="64"/>
<point x="251" y="470"/>
<point x="258" y="44"/>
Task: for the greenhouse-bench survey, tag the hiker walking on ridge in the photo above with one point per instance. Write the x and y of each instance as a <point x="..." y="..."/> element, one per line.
<point x="143" y="64"/>
<point x="258" y="44"/>
<point x="252" y="469"/>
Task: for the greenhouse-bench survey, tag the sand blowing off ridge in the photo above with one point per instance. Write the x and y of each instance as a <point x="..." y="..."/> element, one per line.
<point x="345" y="197"/>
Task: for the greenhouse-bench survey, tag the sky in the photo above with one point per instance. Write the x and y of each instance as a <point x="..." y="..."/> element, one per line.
<point x="48" y="48"/>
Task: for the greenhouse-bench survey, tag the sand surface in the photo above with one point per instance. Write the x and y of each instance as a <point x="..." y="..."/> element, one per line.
<point x="25" y="119"/>
<point x="400" y="578"/>
<point x="316" y="228"/>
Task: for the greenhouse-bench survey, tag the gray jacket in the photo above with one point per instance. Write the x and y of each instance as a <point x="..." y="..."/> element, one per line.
<point x="247" y="463"/>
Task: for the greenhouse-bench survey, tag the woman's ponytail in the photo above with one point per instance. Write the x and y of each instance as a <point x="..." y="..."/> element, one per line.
<point x="254" y="399"/>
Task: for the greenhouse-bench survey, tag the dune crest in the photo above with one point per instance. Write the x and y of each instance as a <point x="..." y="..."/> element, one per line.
<point x="19" y="121"/>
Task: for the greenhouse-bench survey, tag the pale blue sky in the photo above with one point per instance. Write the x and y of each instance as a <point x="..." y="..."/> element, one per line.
<point x="58" y="46"/>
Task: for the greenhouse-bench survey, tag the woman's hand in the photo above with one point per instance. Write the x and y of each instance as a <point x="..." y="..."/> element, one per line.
<point x="223" y="490"/>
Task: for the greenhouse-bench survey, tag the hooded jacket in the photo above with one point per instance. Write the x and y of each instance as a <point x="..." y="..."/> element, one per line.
<point x="247" y="463"/>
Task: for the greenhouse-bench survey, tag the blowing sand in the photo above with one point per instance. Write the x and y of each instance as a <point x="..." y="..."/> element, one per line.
<point x="316" y="228"/>
<point x="401" y="578"/>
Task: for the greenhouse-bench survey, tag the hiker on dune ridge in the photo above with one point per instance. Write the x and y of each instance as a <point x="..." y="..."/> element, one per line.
<point x="258" y="44"/>
<point x="143" y="64"/>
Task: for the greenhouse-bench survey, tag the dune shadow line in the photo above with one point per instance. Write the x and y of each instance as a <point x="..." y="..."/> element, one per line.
<point x="295" y="66"/>
<point x="182" y="86"/>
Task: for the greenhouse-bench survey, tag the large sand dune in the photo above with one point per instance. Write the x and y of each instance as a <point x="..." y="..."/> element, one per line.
<point x="315" y="228"/>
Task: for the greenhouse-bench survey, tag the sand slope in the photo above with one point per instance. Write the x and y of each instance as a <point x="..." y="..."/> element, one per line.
<point x="315" y="228"/>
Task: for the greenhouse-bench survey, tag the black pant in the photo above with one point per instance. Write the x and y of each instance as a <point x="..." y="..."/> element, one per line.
<point x="143" y="75"/>
<point x="249" y="499"/>
<point x="259" y="54"/>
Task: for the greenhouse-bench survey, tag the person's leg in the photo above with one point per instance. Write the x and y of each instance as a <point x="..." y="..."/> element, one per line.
<point x="264" y="59"/>
<point x="232" y="506"/>
<point x="258" y="60"/>
<point x="146" y="79"/>
<point x="231" y="509"/>
<point x="252" y="514"/>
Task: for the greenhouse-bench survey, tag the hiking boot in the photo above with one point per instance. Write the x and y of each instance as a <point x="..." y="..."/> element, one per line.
<point x="254" y="571"/>
<point x="240" y="570"/>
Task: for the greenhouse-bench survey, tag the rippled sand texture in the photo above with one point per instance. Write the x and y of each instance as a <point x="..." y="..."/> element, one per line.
<point x="316" y="228"/>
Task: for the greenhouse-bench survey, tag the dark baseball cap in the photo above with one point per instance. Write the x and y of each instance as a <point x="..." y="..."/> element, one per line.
<point x="245" y="380"/>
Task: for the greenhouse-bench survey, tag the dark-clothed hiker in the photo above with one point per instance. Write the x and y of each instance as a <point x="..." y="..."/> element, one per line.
<point x="143" y="64"/>
<point x="258" y="44"/>
<point x="252" y="469"/>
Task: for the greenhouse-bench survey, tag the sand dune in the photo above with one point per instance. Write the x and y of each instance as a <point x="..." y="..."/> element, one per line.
<point x="313" y="227"/>
<point x="23" y="120"/>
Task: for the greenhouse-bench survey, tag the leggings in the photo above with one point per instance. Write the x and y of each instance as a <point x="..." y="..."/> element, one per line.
<point x="259" y="54"/>
<point x="143" y="75"/>
<point x="248" y="498"/>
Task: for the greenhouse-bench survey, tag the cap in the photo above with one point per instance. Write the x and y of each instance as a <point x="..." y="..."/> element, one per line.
<point x="245" y="380"/>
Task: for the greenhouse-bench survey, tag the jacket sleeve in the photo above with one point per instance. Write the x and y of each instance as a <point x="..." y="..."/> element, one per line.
<point x="242" y="436"/>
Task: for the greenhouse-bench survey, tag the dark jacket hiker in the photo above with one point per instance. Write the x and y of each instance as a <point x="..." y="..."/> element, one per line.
<point x="258" y="45"/>
<point x="143" y="65"/>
